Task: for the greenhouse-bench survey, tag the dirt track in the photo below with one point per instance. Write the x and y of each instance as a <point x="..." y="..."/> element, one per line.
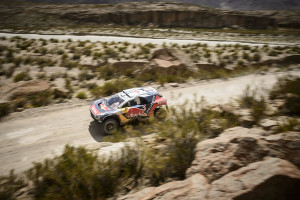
<point x="35" y="134"/>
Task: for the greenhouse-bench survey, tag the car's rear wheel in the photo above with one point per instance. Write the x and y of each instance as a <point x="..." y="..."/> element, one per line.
<point x="110" y="125"/>
<point x="161" y="114"/>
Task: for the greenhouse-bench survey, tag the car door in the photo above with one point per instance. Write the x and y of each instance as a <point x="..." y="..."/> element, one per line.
<point x="136" y="109"/>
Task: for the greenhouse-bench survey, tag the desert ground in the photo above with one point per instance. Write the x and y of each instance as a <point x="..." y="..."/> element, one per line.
<point x="39" y="133"/>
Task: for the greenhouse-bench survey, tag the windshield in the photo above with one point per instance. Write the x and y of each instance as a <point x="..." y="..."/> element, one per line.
<point x="114" y="101"/>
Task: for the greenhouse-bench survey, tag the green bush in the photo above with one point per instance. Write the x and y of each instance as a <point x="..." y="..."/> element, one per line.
<point x="79" y="174"/>
<point x="22" y="76"/>
<point x="289" y="125"/>
<point x="41" y="75"/>
<point x="288" y="89"/>
<point x="81" y="95"/>
<point x="108" y="72"/>
<point x="76" y="56"/>
<point x="9" y="185"/>
<point x="110" y="53"/>
<point x="40" y="99"/>
<point x="60" y="52"/>
<point x="4" y="109"/>
<point x="84" y="75"/>
<point x="256" y="57"/>
<point x="257" y="107"/>
<point x="273" y="53"/>
<point x="69" y="64"/>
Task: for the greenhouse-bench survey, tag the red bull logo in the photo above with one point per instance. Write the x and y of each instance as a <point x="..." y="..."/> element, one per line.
<point x="136" y="112"/>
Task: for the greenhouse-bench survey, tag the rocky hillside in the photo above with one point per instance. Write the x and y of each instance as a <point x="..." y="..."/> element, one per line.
<point x="239" y="164"/>
<point x="137" y="14"/>
<point x="223" y="4"/>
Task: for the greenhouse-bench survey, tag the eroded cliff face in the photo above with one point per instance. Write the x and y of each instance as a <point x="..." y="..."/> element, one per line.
<point x="174" y="18"/>
<point x="132" y="14"/>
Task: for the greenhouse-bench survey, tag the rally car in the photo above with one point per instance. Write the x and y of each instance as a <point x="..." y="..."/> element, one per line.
<point x="128" y="105"/>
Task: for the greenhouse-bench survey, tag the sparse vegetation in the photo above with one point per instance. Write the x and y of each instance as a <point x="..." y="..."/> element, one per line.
<point x="289" y="125"/>
<point x="99" y="57"/>
<point x="256" y="105"/>
<point x="22" y="76"/>
<point x="4" y="109"/>
<point x="78" y="173"/>
<point x="9" y="185"/>
<point x="288" y="89"/>
<point x="112" y="87"/>
<point x="81" y="95"/>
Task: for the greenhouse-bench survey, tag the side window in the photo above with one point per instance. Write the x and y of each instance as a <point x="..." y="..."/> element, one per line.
<point x="130" y="103"/>
<point x="143" y="101"/>
<point x="133" y="102"/>
<point x="126" y="105"/>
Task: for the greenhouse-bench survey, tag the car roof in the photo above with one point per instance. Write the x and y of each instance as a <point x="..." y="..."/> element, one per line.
<point x="141" y="92"/>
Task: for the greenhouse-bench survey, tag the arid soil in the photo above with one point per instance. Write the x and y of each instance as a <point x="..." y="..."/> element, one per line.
<point x="39" y="133"/>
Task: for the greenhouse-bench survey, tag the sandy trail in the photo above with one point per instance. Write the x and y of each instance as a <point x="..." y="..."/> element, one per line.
<point x="36" y="134"/>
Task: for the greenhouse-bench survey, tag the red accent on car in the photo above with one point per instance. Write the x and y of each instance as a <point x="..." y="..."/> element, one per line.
<point x="158" y="101"/>
<point x="103" y="106"/>
<point x="136" y="112"/>
<point x="94" y="110"/>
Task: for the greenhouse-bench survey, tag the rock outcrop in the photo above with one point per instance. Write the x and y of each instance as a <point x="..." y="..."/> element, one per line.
<point x="194" y="187"/>
<point x="170" y="15"/>
<point x="240" y="164"/>
<point x="271" y="178"/>
<point x="24" y="88"/>
<point x="166" y="58"/>
<point x="169" y="62"/>
<point x="238" y="147"/>
<point x="16" y="96"/>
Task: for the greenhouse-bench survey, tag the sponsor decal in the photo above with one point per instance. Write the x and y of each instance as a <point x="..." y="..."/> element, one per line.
<point x="103" y="106"/>
<point x="94" y="110"/>
<point x="152" y="102"/>
<point x="149" y="89"/>
<point x="135" y="112"/>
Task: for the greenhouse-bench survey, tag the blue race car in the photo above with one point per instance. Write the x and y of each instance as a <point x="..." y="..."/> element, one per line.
<point x="128" y="105"/>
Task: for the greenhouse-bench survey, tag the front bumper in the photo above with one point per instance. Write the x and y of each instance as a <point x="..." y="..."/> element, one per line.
<point x="94" y="117"/>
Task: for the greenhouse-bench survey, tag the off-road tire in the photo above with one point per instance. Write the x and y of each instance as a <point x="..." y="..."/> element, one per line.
<point x="161" y="114"/>
<point x="109" y="126"/>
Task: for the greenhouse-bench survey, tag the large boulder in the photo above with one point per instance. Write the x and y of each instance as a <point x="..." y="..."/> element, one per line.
<point x="272" y="178"/>
<point x="24" y="89"/>
<point x="194" y="187"/>
<point x="166" y="58"/>
<point x="285" y="146"/>
<point x="169" y="62"/>
<point x="238" y="147"/>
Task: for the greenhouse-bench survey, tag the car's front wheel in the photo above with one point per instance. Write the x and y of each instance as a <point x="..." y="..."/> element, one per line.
<point x="161" y="114"/>
<point x="110" y="125"/>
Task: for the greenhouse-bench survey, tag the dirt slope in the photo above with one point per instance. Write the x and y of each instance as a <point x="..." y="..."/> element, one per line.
<point x="36" y="134"/>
